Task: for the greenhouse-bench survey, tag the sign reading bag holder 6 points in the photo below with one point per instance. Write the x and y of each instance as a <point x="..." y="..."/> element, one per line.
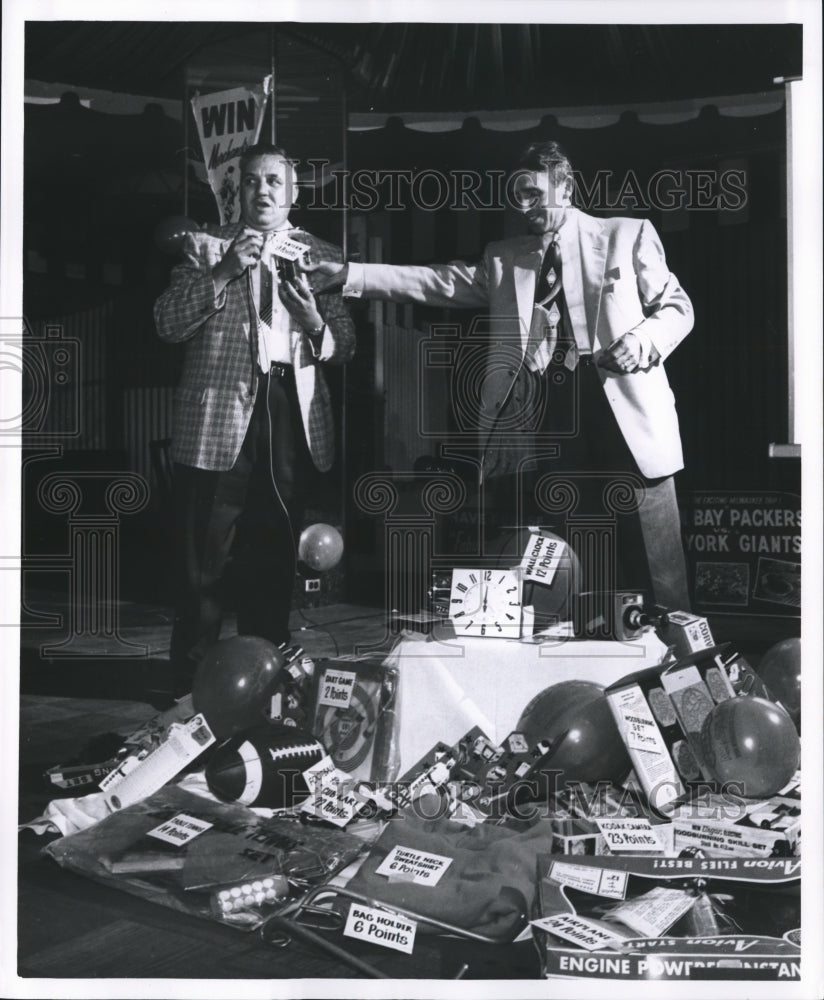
<point x="390" y="930"/>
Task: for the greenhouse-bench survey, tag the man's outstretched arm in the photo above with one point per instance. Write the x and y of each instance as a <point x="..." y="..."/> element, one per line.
<point x="452" y="285"/>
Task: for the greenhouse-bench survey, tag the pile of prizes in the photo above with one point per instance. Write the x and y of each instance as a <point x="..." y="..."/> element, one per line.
<point x="650" y="829"/>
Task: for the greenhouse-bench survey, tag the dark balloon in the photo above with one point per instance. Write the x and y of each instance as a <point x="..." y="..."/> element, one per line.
<point x="234" y="682"/>
<point x="320" y="547"/>
<point x="753" y="742"/>
<point x="573" y="717"/>
<point x="780" y="670"/>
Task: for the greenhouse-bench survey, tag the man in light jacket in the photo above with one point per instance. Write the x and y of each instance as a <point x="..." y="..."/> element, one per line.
<point x="582" y="313"/>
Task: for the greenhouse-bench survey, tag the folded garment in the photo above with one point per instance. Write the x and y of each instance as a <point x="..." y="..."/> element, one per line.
<point x="488" y="888"/>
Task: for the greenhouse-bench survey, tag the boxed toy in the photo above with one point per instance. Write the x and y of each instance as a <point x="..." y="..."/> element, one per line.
<point x="660" y="712"/>
<point x="633" y="918"/>
<point x="355" y="716"/>
<point x="725" y="824"/>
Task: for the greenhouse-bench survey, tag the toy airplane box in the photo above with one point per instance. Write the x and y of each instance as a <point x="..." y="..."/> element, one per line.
<point x="671" y="919"/>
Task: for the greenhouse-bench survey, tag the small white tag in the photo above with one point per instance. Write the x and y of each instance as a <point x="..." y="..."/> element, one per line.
<point x="597" y="881"/>
<point x="336" y="688"/>
<point x="285" y="246"/>
<point x="179" y="829"/>
<point x="640" y="733"/>
<point x="331" y="798"/>
<point x="417" y="866"/>
<point x="655" y="912"/>
<point x="578" y="930"/>
<point x="390" y="930"/>
<point x="630" y="833"/>
<point x="541" y="558"/>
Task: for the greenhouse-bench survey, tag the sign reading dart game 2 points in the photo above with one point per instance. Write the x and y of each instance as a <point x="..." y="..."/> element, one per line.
<point x="744" y="552"/>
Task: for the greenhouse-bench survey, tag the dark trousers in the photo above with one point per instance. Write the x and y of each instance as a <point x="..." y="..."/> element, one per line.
<point x="624" y="526"/>
<point x="252" y="511"/>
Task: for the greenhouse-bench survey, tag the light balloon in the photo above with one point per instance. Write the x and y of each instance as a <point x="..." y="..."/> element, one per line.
<point x="752" y="742"/>
<point x="320" y="547"/>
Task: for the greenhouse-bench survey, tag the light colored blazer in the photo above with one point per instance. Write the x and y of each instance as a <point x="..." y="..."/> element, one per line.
<point x="625" y="285"/>
<point x="215" y="397"/>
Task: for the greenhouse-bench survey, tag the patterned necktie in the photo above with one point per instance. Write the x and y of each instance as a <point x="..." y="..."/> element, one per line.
<point x="546" y="327"/>
<point x="549" y="291"/>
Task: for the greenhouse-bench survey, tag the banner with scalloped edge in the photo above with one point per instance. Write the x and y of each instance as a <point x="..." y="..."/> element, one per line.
<point x="227" y="122"/>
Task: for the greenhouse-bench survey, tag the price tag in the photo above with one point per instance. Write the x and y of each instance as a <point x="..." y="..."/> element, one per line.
<point x="331" y="797"/>
<point x="285" y="246"/>
<point x="578" y="930"/>
<point x="542" y="557"/>
<point x="640" y="733"/>
<point x="631" y="833"/>
<point x="415" y="866"/>
<point x="336" y="688"/>
<point x="180" y="829"/>
<point x="389" y="930"/>
<point x="598" y="881"/>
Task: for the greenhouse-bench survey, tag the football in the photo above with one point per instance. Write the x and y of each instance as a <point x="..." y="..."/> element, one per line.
<point x="264" y="766"/>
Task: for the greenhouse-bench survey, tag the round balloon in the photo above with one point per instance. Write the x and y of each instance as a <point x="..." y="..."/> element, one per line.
<point x="234" y="682"/>
<point x="780" y="670"/>
<point x="574" y="719"/>
<point x="752" y="742"/>
<point x="320" y="547"/>
<point x="170" y="233"/>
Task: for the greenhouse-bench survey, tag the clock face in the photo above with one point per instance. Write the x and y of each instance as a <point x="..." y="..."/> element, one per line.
<point x="503" y="604"/>
<point x="486" y="602"/>
<point x="466" y="601"/>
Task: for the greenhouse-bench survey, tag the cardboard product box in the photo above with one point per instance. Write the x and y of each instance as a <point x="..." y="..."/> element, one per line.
<point x="577" y="837"/>
<point x="668" y="919"/>
<point x="660" y="712"/>
<point x="648" y="724"/>
<point x="729" y="825"/>
<point x="686" y="632"/>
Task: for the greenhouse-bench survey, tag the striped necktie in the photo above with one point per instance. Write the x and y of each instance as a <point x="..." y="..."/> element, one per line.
<point x="266" y="298"/>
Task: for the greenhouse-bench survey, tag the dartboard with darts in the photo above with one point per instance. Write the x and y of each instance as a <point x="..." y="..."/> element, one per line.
<point x="355" y="716"/>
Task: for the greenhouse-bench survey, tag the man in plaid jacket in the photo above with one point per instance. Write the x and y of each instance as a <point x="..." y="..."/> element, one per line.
<point x="253" y="417"/>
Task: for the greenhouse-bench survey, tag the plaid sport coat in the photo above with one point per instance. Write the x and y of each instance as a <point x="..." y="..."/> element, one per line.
<point x="216" y="393"/>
